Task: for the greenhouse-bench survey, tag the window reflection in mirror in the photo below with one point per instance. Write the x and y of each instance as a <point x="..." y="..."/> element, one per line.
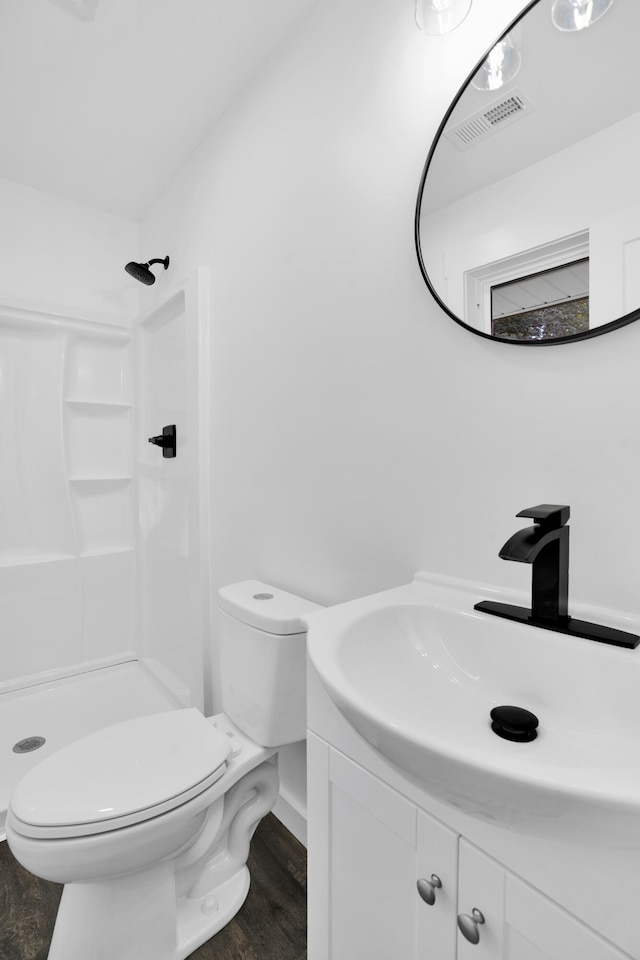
<point x="542" y="306"/>
<point x="538" y="174"/>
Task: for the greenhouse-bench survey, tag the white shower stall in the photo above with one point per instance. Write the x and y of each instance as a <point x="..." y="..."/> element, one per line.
<point x="104" y="563"/>
<point x="67" y="520"/>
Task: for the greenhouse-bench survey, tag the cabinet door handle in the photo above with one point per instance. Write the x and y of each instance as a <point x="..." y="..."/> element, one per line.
<point x="469" y="925"/>
<point x="427" y="888"/>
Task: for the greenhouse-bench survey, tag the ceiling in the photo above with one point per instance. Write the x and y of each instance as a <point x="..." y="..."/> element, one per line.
<point x="101" y="101"/>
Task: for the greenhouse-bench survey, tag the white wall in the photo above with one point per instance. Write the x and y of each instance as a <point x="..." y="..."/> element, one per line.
<point x="358" y="434"/>
<point x="65" y="256"/>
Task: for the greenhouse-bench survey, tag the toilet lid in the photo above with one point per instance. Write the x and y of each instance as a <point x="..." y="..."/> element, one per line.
<point x="132" y="770"/>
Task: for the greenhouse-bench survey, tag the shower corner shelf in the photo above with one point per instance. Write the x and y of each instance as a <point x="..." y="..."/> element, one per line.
<point x="107" y="551"/>
<point x="97" y="403"/>
<point x="103" y="504"/>
<point x="24" y="560"/>
<point x="123" y="478"/>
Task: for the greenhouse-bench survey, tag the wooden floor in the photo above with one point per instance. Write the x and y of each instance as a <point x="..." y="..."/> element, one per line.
<point x="272" y="924"/>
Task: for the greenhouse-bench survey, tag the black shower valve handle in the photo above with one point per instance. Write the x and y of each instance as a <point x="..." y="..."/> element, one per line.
<point x="166" y="440"/>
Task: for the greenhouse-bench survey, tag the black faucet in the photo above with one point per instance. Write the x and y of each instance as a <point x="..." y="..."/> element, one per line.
<point x="545" y="546"/>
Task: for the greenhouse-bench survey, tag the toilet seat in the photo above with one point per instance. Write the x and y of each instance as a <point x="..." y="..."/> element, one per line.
<point x="122" y="775"/>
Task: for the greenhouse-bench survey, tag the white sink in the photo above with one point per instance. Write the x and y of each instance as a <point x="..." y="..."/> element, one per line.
<point x="416" y="671"/>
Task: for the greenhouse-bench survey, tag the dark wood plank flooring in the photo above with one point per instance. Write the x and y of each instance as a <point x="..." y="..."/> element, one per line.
<point x="272" y="924"/>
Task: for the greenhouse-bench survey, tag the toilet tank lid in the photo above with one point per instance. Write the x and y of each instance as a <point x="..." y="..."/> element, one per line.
<point x="265" y="607"/>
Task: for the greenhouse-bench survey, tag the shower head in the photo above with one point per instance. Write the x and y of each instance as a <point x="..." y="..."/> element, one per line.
<point x="141" y="271"/>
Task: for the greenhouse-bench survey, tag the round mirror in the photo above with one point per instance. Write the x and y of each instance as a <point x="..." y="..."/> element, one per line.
<point x="528" y="214"/>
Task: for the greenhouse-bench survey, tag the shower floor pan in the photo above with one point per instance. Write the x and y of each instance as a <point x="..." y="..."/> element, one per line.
<point x="61" y="711"/>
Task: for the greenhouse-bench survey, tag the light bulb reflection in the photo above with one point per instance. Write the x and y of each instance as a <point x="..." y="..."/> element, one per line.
<point x="572" y="15"/>
<point x="437" y="17"/>
<point x="500" y="67"/>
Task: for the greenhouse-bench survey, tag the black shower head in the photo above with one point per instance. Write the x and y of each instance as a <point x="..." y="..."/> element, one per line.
<point x="141" y="271"/>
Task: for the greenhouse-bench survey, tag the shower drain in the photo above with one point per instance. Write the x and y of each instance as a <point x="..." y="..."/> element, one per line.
<point x="28" y="744"/>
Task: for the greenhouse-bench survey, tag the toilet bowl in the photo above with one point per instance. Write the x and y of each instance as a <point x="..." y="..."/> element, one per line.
<point x="148" y="822"/>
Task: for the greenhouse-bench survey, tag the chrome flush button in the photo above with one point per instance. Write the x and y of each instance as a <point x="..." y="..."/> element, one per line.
<point x="263" y="596"/>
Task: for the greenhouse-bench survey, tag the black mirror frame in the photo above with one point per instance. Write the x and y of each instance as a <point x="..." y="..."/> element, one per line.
<point x="587" y="334"/>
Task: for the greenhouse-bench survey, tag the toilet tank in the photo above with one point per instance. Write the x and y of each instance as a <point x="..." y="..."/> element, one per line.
<point x="263" y="657"/>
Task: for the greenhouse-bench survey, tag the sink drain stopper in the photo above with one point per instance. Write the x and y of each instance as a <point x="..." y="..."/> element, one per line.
<point x="514" y="723"/>
<point x="28" y="744"/>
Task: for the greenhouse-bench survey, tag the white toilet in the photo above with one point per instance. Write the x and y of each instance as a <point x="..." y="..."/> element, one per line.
<point x="148" y="822"/>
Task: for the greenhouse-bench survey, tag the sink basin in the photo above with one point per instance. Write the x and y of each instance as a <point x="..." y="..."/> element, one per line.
<point x="416" y="671"/>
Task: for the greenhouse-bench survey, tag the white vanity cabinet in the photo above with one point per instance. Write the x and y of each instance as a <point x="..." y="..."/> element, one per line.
<point x="520" y="922"/>
<point x="369" y="846"/>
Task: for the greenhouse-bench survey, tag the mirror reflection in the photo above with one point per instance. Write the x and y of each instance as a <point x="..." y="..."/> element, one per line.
<point x="528" y="218"/>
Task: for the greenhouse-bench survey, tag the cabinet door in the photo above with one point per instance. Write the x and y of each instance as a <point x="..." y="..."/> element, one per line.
<point x="372" y="850"/>
<point x="437" y="855"/>
<point x="519" y="922"/>
<point x="538" y="929"/>
<point x="368" y="846"/>
<point x="481" y="884"/>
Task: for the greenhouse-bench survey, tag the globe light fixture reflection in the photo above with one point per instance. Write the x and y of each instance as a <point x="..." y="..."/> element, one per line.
<point x="437" y="17"/>
<point x="572" y="15"/>
<point x="500" y="67"/>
